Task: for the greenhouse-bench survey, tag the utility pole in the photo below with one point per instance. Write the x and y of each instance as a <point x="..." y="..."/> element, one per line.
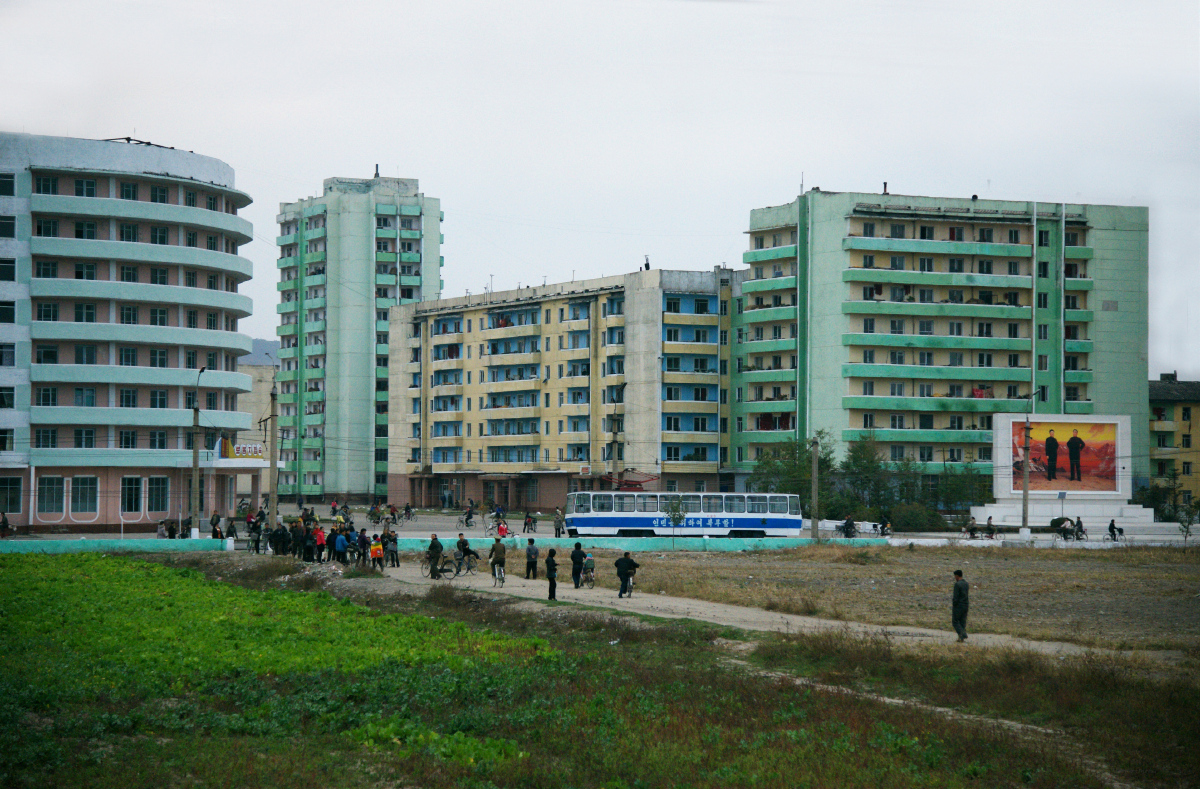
<point x="814" y="463"/>
<point x="194" y="512"/>
<point x="272" y="452"/>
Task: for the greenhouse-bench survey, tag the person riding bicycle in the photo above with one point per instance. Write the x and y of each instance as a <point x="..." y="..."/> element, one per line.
<point x="408" y="512"/>
<point x="530" y="523"/>
<point x="1078" y="529"/>
<point x="1112" y="529"/>
<point x="464" y="550"/>
<point x="991" y="529"/>
<point x="589" y="567"/>
<point x="496" y="555"/>
<point x="848" y="529"/>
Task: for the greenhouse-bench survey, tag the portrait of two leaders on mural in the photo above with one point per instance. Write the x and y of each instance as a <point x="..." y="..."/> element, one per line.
<point x="1071" y="456"/>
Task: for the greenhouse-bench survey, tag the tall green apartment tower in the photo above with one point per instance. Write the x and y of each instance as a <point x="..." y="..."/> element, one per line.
<point x="916" y="319"/>
<point x="345" y="257"/>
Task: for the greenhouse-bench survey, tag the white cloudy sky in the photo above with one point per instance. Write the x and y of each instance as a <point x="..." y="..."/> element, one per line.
<point x="568" y="136"/>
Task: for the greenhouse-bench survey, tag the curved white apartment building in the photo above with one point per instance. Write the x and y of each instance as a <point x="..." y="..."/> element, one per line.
<point x="119" y="308"/>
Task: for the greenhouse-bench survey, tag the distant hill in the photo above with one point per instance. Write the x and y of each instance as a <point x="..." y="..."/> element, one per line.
<point x="265" y="353"/>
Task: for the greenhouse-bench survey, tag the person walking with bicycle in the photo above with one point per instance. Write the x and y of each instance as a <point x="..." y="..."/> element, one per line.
<point x="626" y="567"/>
<point x="496" y="557"/>
<point x="531" y="559"/>
<point x="577" y="559"/>
<point x="559" y="522"/>
<point x="435" y="556"/>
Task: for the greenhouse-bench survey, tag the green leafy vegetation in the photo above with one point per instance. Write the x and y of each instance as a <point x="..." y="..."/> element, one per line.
<point x="123" y="673"/>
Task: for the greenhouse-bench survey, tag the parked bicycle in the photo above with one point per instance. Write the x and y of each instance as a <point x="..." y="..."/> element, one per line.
<point x="446" y="569"/>
<point x="588" y="577"/>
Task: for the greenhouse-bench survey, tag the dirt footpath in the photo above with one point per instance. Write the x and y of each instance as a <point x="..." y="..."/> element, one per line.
<point x="670" y="607"/>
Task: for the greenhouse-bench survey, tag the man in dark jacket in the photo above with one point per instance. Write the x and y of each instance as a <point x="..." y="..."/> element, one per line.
<point x="531" y="559"/>
<point x="959" y="604"/>
<point x="577" y="559"/>
<point x="435" y="556"/>
<point x="1051" y="456"/>
<point x="626" y="567"/>
<point x="1075" y="447"/>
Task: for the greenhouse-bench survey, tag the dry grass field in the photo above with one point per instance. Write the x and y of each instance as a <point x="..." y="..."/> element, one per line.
<point x="1138" y="598"/>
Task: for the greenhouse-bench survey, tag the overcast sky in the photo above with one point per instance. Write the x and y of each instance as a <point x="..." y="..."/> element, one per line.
<point x="577" y="137"/>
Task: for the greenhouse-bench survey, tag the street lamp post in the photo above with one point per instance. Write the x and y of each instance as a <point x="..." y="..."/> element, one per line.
<point x="194" y="509"/>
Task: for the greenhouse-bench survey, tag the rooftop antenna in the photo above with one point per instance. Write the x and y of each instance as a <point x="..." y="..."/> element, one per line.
<point x="376" y="170"/>
<point x="647" y="262"/>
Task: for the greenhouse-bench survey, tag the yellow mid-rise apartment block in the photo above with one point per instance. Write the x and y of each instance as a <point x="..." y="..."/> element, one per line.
<point x="519" y="397"/>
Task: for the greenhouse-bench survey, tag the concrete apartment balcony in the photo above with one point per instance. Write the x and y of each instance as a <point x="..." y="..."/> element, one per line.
<point x="690" y="406"/>
<point x="1163" y="426"/>
<point x="768" y="284"/>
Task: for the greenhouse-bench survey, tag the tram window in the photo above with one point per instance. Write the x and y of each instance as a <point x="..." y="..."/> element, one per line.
<point x="735" y="503"/>
<point x="602" y="502"/>
<point x="570" y="503"/>
<point x="712" y="503"/>
<point x="691" y="503"/>
<point x="756" y="504"/>
<point x="647" y="503"/>
<point x="779" y="504"/>
<point x="623" y="502"/>
<point x="583" y="502"/>
<point x="794" y="505"/>
<point x="667" y="502"/>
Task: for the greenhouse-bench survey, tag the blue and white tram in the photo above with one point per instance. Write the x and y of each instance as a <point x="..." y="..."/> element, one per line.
<point x="623" y="514"/>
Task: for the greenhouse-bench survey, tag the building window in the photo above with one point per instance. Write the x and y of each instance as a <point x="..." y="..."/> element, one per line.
<point x="45" y="438"/>
<point x="85" y="397"/>
<point x="85" y="438"/>
<point x="46" y="396"/>
<point x="47" y="354"/>
<point x="868" y="229"/>
<point x="1187" y="468"/>
<point x="868" y="388"/>
<point x="85" y="230"/>
<point x="127" y="439"/>
<point x="158" y="317"/>
<point x="129" y="398"/>
<point x="1014" y="360"/>
<point x="85" y="354"/>
<point x="85" y="494"/>
<point x="158" y="235"/>
<point x="47" y="312"/>
<point x="956" y="359"/>
<point x="158" y="494"/>
<point x="985" y="360"/>
<point x="7" y="397"/>
<point x="1043" y="331"/>
<point x="47" y="228"/>
<point x="129" y="315"/>
<point x="50" y="494"/>
<point x="158" y="357"/>
<point x="955" y="234"/>
<point x="85" y="313"/>
<point x="897" y="263"/>
<point x="127" y="357"/>
<point x="211" y="202"/>
<point x="131" y="494"/>
<point x="158" y="194"/>
<point x="672" y="305"/>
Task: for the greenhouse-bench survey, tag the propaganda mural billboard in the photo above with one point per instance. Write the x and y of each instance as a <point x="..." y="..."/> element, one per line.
<point x="1067" y="456"/>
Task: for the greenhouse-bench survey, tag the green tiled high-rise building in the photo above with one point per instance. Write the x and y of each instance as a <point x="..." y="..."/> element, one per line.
<point x="346" y="256"/>
<point x="915" y="319"/>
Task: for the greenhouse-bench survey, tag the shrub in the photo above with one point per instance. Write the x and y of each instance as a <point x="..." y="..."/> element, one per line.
<point x="916" y="517"/>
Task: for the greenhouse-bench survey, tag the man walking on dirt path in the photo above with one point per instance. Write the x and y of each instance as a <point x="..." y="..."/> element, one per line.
<point x="626" y="567"/>
<point x="531" y="559"/>
<point x="959" y="605"/>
